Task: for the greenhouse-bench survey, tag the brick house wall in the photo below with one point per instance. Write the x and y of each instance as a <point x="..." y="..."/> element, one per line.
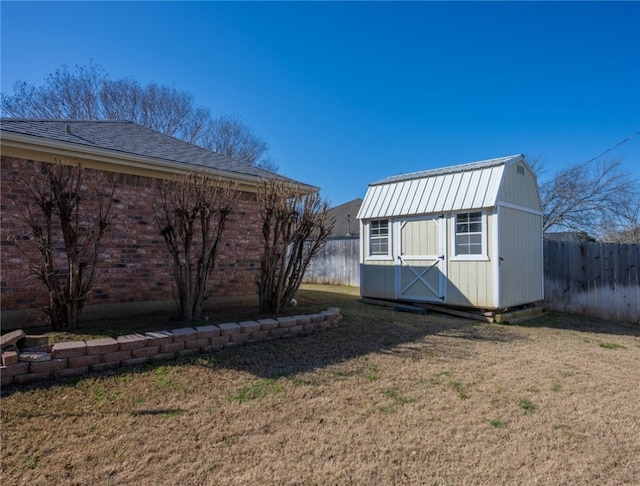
<point x="135" y="264"/>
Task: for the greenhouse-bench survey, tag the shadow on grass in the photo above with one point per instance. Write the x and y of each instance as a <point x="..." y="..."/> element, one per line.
<point x="572" y="322"/>
<point x="365" y="329"/>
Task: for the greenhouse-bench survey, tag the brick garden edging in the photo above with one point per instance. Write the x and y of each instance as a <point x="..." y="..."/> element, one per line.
<point x="77" y="358"/>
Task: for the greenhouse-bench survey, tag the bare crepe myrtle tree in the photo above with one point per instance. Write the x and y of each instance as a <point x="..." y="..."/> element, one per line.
<point x="295" y="226"/>
<point x="192" y="215"/>
<point x="65" y="218"/>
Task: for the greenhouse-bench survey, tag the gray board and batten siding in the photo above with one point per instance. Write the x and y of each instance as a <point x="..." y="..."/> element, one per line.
<point x="467" y="235"/>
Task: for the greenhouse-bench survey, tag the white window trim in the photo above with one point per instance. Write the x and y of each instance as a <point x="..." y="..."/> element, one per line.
<point x="484" y="256"/>
<point x="381" y="256"/>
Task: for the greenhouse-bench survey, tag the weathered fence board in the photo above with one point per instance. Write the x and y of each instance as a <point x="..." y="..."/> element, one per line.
<point x="337" y="264"/>
<point x="592" y="279"/>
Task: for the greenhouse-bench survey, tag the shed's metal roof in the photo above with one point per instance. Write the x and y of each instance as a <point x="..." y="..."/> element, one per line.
<point x="467" y="186"/>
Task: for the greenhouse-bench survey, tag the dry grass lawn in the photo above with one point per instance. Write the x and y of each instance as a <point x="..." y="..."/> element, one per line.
<point x="385" y="398"/>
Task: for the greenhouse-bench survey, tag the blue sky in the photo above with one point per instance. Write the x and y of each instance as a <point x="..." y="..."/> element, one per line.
<point x="350" y="93"/>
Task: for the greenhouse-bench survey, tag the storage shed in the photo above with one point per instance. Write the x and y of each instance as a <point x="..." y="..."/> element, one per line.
<point x="467" y="236"/>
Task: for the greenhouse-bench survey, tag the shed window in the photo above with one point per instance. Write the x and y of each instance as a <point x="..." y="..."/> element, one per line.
<point x="379" y="237"/>
<point x="469" y="233"/>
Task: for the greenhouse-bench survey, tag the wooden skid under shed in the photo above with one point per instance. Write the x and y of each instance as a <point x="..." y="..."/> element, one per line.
<point x="505" y="316"/>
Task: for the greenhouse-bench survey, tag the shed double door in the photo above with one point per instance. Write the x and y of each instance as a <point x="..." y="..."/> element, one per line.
<point x="420" y="259"/>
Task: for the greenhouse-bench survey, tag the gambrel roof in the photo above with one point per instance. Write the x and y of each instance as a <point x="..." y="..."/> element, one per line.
<point x="467" y="186"/>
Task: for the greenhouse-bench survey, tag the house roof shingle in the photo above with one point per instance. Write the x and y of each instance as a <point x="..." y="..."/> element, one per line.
<point x="128" y="138"/>
<point x="345" y="214"/>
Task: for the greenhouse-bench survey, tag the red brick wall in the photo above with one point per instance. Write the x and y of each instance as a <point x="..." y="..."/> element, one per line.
<point x="135" y="264"/>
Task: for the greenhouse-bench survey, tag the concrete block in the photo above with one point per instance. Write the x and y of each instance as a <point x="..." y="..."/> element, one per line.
<point x="158" y="338"/>
<point x="171" y="347"/>
<point x="48" y="366"/>
<point x="247" y="327"/>
<point x="229" y="328"/>
<point x="239" y="338"/>
<point x="116" y="357"/>
<point x="146" y="352"/>
<point x="188" y="352"/>
<point x="331" y="314"/>
<point x="267" y="324"/>
<point x="11" y="338"/>
<point x="19" y="368"/>
<point x="196" y="343"/>
<point x="232" y="344"/>
<point x="99" y="367"/>
<point x="208" y="331"/>
<point x="70" y="349"/>
<point x="30" y="378"/>
<point x="259" y="335"/>
<point x="9" y="358"/>
<point x="210" y="348"/>
<point x="278" y="333"/>
<point x="184" y="334"/>
<point x="135" y="361"/>
<point x="69" y="372"/>
<point x="316" y="317"/>
<point x="286" y="322"/>
<point x="164" y="356"/>
<point x="131" y="341"/>
<point x="295" y="330"/>
<point x="302" y="320"/>
<point x="311" y="326"/>
<point x="5" y="380"/>
<point x="102" y="346"/>
<point x="219" y="340"/>
<point x="84" y="361"/>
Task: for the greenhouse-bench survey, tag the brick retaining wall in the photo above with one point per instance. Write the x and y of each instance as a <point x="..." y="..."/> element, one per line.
<point x="77" y="358"/>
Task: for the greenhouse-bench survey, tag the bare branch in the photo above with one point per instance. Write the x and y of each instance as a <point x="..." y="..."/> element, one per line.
<point x="59" y="208"/>
<point x="192" y="215"/>
<point x="294" y="228"/>
<point x="588" y="197"/>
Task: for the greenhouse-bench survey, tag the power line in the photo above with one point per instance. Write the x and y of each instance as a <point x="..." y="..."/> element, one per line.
<point x="615" y="146"/>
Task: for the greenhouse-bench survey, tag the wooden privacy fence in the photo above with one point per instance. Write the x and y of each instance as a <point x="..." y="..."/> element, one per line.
<point x="599" y="280"/>
<point x="337" y="264"/>
<point x="593" y="279"/>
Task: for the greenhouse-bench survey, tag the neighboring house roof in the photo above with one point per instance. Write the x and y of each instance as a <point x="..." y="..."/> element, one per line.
<point x="468" y="186"/>
<point x="346" y="223"/>
<point x="125" y="140"/>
